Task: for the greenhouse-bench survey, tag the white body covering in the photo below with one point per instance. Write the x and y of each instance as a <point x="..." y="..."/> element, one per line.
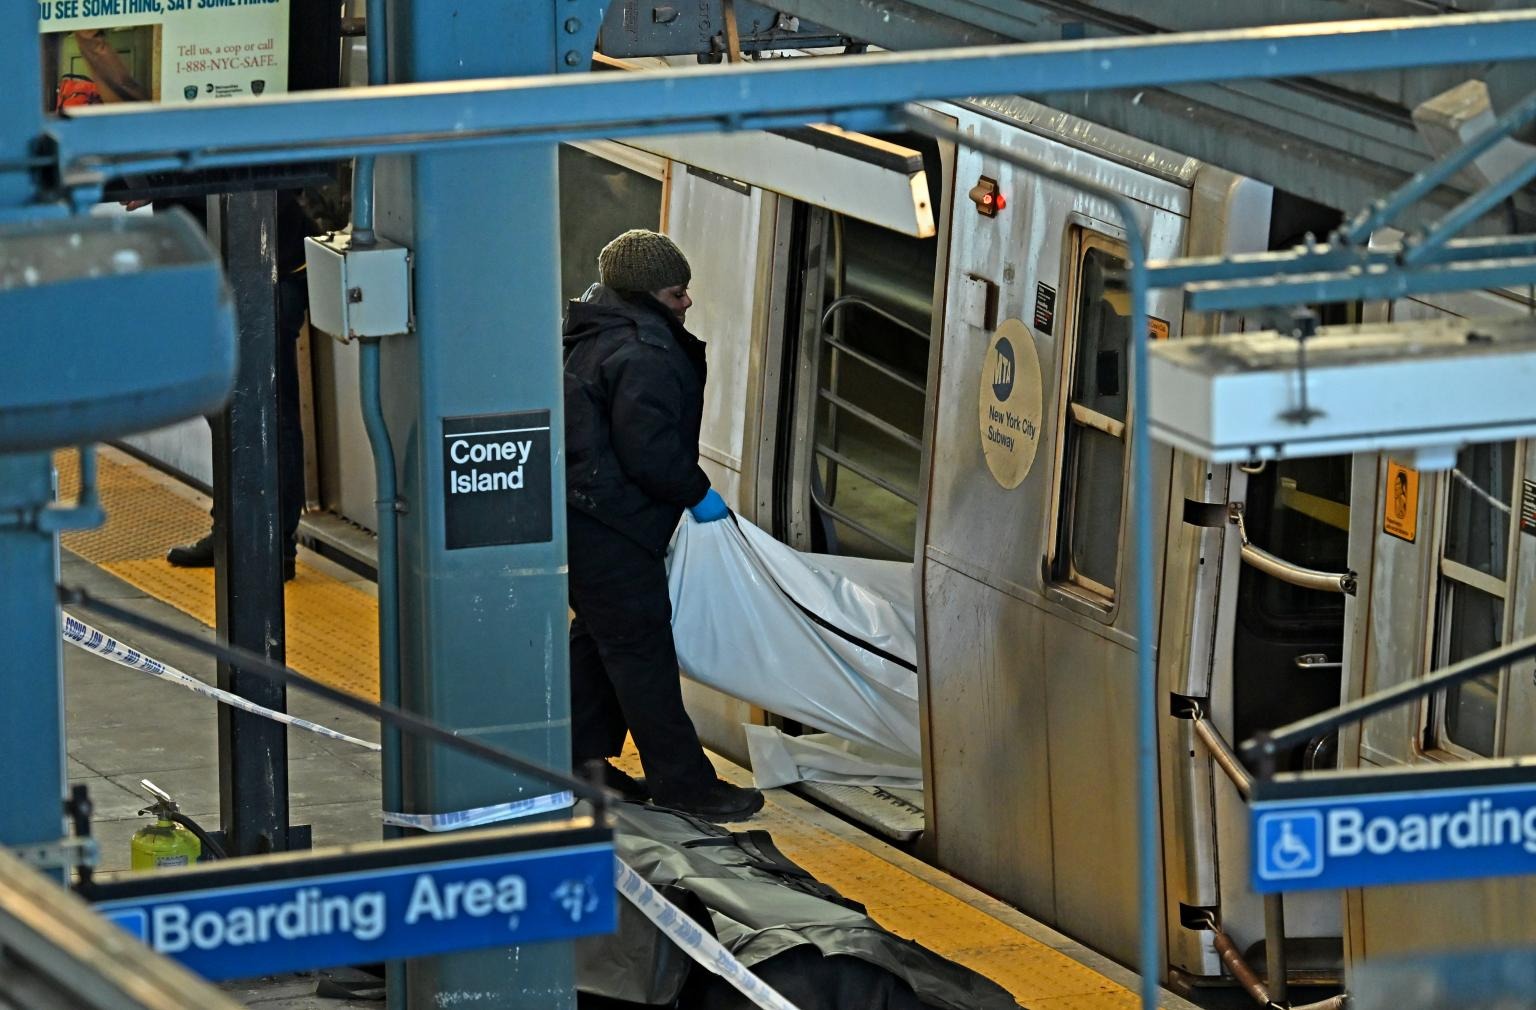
<point x="827" y="641"/>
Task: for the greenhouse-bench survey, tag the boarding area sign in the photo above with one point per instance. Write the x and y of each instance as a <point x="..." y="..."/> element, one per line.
<point x="1449" y="831"/>
<point x="301" y="920"/>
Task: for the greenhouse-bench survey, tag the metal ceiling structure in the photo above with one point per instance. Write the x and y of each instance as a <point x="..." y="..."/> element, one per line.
<point x="1340" y="140"/>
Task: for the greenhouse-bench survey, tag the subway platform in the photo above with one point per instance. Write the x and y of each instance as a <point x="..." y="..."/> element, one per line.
<point x="124" y="726"/>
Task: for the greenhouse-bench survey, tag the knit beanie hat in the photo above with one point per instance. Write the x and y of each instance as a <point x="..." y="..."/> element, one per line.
<point x="641" y="260"/>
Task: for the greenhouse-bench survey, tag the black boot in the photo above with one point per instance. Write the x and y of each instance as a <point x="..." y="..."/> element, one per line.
<point x="719" y="801"/>
<point x="629" y="788"/>
<point x="198" y="554"/>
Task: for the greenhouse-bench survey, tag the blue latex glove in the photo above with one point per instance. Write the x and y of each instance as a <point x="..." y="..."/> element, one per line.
<point x="709" y="508"/>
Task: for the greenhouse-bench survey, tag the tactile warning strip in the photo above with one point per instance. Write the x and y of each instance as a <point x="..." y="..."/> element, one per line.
<point x="332" y="628"/>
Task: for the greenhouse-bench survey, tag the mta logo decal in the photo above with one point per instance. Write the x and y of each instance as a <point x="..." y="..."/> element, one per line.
<point x="1002" y="370"/>
<point x="1290" y="845"/>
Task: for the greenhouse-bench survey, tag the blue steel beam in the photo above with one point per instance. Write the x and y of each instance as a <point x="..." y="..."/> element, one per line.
<point x="1385" y="210"/>
<point x="1421" y="248"/>
<point x="1329" y="258"/>
<point x="1370" y="284"/>
<point x="860" y="91"/>
<point x="21" y="112"/>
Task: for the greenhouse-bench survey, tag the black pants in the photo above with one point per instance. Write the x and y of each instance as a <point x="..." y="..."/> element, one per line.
<point x="624" y="674"/>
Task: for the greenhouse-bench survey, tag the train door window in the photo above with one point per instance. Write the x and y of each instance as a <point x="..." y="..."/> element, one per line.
<point x="605" y="189"/>
<point x="1086" y="552"/>
<point x="1288" y="640"/>
<point x="851" y="467"/>
<point x="1472" y="598"/>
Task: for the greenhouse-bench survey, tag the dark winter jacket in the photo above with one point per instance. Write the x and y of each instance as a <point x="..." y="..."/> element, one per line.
<point x="634" y="399"/>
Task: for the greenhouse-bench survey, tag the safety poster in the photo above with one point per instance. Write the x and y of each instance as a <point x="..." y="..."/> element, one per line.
<point x="169" y="51"/>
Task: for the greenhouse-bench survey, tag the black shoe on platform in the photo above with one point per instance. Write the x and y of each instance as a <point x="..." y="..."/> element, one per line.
<point x="629" y="788"/>
<point x="198" y="554"/>
<point x="720" y="801"/>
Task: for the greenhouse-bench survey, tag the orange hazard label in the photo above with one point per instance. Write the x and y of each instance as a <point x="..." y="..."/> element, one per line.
<point x="1400" y="514"/>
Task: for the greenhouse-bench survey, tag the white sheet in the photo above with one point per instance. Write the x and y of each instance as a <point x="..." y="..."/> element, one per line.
<point x="779" y="759"/>
<point x="755" y="619"/>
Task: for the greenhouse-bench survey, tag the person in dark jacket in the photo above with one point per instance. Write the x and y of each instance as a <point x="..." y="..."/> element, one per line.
<point x="634" y="400"/>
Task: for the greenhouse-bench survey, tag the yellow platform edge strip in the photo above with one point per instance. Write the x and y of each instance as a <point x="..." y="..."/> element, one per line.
<point x="332" y="628"/>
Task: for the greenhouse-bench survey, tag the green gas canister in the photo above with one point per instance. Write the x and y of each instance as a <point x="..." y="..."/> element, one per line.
<point x="164" y="843"/>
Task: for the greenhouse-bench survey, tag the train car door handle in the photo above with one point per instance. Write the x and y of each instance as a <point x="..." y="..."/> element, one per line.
<point x="1317" y="661"/>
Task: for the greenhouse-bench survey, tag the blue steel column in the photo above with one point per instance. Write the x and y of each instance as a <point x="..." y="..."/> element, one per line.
<point x="21" y="113"/>
<point x="31" y="679"/>
<point x="482" y="629"/>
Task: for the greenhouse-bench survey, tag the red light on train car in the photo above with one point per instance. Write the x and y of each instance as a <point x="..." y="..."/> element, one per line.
<point x="987" y="197"/>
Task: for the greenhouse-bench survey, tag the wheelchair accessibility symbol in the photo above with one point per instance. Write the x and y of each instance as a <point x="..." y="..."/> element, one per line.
<point x="1290" y="845"/>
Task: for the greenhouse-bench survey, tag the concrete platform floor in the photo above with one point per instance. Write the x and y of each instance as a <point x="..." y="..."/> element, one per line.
<point x="123" y="726"/>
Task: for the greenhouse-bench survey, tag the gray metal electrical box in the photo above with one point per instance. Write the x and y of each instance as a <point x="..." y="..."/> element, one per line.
<point x="362" y="291"/>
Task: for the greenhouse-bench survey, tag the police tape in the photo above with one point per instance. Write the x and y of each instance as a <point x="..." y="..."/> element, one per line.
<point x="687" y="934"/>
<point x="694" y="940"/>
<point x="77" y="633"/>
<point x="479" y="817"/>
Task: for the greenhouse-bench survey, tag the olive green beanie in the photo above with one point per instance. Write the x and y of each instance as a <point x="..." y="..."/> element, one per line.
<point x="641" y="260"/>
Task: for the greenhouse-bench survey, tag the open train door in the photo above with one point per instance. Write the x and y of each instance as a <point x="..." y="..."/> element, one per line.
<point x="798" y="239"/>
<point x="1253" y="636"/>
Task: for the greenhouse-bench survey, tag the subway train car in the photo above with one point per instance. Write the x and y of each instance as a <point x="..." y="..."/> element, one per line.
<point x="920" y="353"/>
<point x="1447" y="564"/>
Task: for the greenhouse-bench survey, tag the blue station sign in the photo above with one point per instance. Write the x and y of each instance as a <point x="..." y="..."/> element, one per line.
<point x="1403" y="837"/>
<point x="377" y="914"/>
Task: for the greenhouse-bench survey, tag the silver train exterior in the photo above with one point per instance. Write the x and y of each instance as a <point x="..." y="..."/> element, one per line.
<point x="848" y="410"/>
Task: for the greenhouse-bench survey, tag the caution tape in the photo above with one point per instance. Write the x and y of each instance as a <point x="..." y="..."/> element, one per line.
<point x="478" y="817"/>
<point x="77" y="633"/>
<point x="683" y="931"/>
<point x="694" y="940"/>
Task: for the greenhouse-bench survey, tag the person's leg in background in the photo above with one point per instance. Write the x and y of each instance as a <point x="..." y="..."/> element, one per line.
<point x="293" y="302"/>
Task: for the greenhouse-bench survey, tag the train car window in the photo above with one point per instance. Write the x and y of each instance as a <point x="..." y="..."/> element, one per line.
<point x="598" y="199"/>
<point x="1473" y="593"/>
<point x="1299" y="510"/>
<point x="865" y="346"/>
<point x="1087" y="549"/>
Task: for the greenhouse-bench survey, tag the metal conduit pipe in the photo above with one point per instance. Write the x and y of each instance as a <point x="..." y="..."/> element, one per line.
<point x="362" y="169"/>
<point x="387" y="504"/>
<point x="386" y="494"/>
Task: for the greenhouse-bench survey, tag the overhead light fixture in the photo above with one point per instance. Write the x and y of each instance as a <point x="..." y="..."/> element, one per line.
<point x="1424" y="388"/>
